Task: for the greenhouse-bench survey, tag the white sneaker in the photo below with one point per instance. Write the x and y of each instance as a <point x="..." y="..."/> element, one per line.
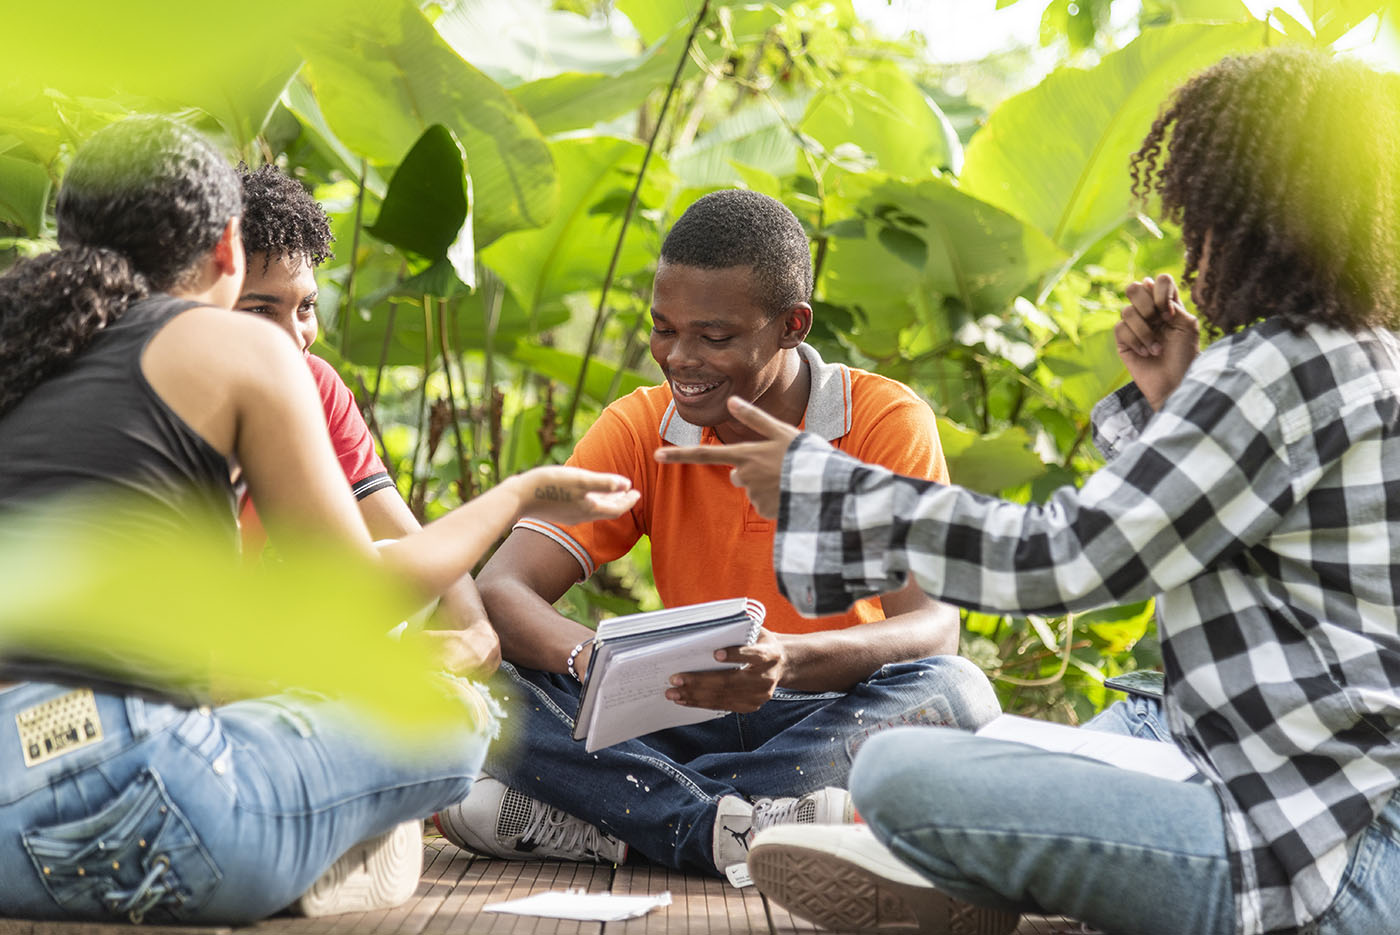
<point x="843" y="878"/>
<point x="379" y="873"/>
<point x="501" y="822"/>
<point x="737" y="820"/>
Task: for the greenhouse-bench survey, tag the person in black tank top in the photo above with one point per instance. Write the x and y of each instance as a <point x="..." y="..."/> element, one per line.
<point x="122" y="371"/>
<point x="54" y="445"/>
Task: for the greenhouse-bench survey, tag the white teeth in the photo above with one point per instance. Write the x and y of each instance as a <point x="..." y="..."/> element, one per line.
<point x="693" y="389"/>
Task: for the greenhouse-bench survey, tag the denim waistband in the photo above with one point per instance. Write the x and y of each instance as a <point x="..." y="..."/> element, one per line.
<point x="121" y="721"/>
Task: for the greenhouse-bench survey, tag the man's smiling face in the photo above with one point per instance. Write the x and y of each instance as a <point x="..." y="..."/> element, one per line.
<point x="712" y="340"/>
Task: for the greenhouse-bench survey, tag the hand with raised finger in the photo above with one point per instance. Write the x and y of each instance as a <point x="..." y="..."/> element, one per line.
<point x="1157" y="338"/>
<point x="742" y="690"/>
<point x="568" y="495"/>
<point x="756" y="466"/>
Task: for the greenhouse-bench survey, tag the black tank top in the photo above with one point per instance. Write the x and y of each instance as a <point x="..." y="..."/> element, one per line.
<point x="100" y="437"/>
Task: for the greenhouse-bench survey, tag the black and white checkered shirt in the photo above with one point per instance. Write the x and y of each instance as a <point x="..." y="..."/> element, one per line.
<point x="1262" y="506"/>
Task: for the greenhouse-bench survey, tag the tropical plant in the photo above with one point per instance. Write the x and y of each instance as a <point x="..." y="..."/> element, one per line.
<point x="500" y="176"/>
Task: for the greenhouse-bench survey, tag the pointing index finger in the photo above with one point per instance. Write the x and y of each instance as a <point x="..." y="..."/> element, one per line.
<point x="758" y="420"/>
<point x="708" y="454"/>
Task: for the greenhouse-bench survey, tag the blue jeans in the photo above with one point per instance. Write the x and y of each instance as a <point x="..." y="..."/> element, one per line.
<point x="204" y="816"/>
<point x="658" y="792"/>
<point x="1136" y="716"/>
<point x="1006" y="825"/>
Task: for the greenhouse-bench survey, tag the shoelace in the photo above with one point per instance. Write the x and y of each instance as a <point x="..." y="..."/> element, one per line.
<point x="768" y="812"/>
<point x="136" y="902"/>
<point x="556" y="830"/>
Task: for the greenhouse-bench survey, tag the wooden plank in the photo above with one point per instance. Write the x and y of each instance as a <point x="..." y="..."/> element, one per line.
<point x="782" y="922"/>
<point x="501" y="880"/>
<point x="699" y="905"/>
<point x="443" y="865"/>
<point x="746" y="910"/>
<point x="456" y="885"/>
<point x="642" y="879"/>
<point x="33" y="927"/>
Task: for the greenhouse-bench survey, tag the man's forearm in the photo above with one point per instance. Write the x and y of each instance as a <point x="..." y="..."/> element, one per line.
<point x="461" y="606"/>
<point x="533" y="634"/>
<point x="834" y="660"/>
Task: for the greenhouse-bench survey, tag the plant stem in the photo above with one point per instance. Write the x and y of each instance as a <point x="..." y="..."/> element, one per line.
<point x="493" y="297"/>
<point x="348" y="308"/>
<point x="464" y="481"/>
<point x="384" y="353"/>
<point x="1078" y="440"/>
<point x="1064" y="661"/>
<point x="622" y="360"/>
<point x="596" y="331"/>
<point x="390" y="464"/>
<point x="420" y="443"/>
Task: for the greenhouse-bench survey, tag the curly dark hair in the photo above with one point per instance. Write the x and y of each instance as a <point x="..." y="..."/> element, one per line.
<point x="744" y="228"/>
<point x="1266" y="156"/>
<point x="142" y="202"/>
<point x="280" y="218"/>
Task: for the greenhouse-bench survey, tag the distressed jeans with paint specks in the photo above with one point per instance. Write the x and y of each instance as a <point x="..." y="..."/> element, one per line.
<point x="658" y="792"/>
<point x="145" y="810"/>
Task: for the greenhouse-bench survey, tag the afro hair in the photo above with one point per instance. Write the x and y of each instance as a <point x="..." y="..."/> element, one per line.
<point x="280" y="218"/>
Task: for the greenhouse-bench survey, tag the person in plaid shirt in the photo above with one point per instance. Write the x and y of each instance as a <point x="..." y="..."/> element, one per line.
<point x="1253" y="487"/>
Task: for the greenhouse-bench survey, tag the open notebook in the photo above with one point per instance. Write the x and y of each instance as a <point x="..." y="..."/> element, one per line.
<point x="634" y="657"/>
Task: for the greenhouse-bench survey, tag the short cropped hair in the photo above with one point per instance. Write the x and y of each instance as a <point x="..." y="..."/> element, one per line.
<point x="280" y="218"/>
<point x="736" y="228"/>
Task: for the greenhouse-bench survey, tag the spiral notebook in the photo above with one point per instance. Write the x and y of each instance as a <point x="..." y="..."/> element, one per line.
<point x="634" y="657"/>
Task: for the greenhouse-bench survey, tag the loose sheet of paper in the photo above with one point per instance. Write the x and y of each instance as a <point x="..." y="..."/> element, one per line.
<point x="1136" y="753"/>
<point x="581" y="906"/>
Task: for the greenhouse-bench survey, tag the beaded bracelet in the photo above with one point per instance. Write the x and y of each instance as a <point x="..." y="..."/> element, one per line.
<point x="574" y="655"/>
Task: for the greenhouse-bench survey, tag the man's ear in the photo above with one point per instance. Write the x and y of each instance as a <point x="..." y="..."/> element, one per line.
<point x="797" y="322"/>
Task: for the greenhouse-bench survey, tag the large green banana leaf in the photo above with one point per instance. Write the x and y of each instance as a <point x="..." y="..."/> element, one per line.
<point x="916" y="245"/>
<point x="1057" y="155"/>
<point x="571" y="252"/>
<point x="224" y="60"/>
<point x="24" y="194"/>
<point x="428" y="208"/>
<point x="880" y="110"/>
<point x="383" y="75"/>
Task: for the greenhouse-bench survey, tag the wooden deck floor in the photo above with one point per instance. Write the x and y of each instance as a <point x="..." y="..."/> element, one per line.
<point x="456" y="885"/>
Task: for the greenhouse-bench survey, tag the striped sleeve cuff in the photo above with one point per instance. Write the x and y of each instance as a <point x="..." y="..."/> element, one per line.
<point x="570" y="544"/>
<point x="372" y="484"/>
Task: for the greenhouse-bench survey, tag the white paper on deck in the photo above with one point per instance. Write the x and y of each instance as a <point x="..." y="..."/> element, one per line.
<point x="583" y="907"/>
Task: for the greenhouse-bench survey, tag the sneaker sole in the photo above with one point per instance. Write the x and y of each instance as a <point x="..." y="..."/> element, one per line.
<point x="380" y="873"/>
<point x="839" y="894"/>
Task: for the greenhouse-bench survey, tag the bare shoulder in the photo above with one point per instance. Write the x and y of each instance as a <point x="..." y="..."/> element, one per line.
<point x="210" y="334"/>
<point x="205" y="344"/>
<point x="207" y="364"/>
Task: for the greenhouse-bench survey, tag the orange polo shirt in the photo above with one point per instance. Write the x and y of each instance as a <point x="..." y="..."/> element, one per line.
<point x="707" y="541"/>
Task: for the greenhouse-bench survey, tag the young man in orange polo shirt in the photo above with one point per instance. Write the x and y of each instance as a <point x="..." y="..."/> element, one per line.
<point x="730" y="313"/>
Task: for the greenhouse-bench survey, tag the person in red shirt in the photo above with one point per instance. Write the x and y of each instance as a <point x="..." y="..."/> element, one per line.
<point x="730" y="313"/>
<point x="286" y="235"/>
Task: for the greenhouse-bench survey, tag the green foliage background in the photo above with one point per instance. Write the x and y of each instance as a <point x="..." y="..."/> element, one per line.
<point x="500" y="175"/>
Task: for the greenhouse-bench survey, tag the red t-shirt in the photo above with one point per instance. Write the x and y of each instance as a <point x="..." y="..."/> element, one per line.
<point x="707" y="541"/>
<point x="350" y="437"/>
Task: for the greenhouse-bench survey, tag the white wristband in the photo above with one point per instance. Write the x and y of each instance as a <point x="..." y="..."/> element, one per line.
<point x="574" y="655"/>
